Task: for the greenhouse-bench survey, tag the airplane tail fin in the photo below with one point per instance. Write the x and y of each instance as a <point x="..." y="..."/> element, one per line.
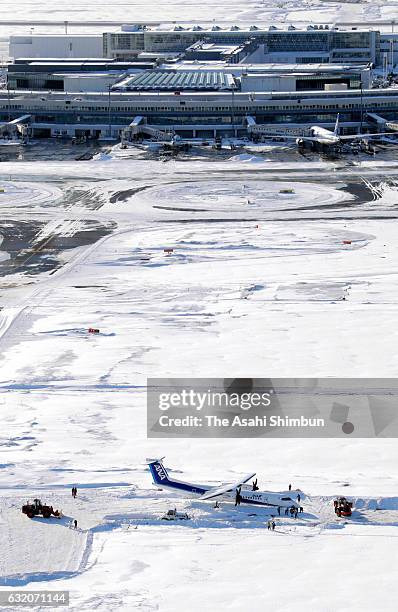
<point x="158" y="471"/>
<point x="336" y="127"/>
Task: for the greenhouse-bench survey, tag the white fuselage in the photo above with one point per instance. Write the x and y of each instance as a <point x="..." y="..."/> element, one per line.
<point x="323" y="136"/>
<point x="266" y="498"/>
<point x="282" y="499"/>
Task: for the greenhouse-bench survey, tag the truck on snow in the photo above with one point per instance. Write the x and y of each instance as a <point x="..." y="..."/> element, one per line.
<point x="173" y="515"/>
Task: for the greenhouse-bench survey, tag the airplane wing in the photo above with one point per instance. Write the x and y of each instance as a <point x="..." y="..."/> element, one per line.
<point x="290" y="137"/>
<point x="284" y="136"/>
<point x="216" y="491"/>
<point x="317" y="138"/>
<point x="353" y="136"/>
<point x="310" y="138"/>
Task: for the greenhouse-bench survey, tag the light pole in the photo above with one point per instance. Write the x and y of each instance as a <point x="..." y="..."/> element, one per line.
<point x="233" y="108"/>
<point x="109" y="111"/>
<point x="8" y="100"/>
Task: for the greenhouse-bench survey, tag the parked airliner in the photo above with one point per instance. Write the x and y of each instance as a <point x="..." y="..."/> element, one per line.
<point x="324" y="136"/>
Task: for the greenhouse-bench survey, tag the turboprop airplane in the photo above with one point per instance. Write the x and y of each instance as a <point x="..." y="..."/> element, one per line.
<point x="230" y="490"/>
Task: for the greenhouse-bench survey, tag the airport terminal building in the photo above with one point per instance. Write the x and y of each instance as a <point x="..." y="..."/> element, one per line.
<point x="199" y="81"/>
<point x="194" y="114"/>
<point x="314" y="44"/>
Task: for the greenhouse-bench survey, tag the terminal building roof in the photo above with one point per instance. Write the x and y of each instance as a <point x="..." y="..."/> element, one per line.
<point x="275" y="68"/>
<point x="170" y="80"/>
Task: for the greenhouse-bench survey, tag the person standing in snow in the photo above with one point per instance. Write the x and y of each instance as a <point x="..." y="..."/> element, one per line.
<point x="290" y="487"/>
<point x="75" y="524"/>
<point x="298" y="497"/>
<point x="273" y="525"/>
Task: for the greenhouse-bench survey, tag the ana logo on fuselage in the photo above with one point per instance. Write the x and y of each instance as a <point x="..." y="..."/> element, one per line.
<point x="257" y="496"/>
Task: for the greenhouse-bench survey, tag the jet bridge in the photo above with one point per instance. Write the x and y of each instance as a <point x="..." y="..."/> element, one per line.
<point x="139" y="126"/>
<point x="382" y="123"/>
<point x="295" y="130"/>
<point x="19" y="125"/>
<point x="273" y="129"/>
<point x="23" y="119"/>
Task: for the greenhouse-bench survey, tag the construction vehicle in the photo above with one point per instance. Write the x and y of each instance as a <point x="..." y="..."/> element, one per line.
<point x="342" y="506"/>
<point x="39" y="509"/>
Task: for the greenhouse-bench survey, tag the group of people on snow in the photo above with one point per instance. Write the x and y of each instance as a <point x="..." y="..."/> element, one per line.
<point x="293" y="511"/>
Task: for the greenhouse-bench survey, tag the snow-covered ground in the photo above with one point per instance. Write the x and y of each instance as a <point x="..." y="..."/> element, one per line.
<point x="259" y="283"/>
<point x="138" y="11"/>
<point x="285" y="12"/>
